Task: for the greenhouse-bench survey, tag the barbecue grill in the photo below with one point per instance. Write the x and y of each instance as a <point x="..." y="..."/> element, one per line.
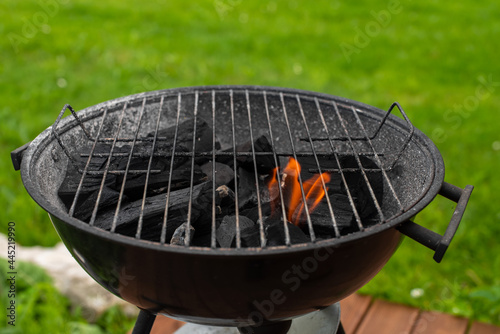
<point x="124" y="239"/>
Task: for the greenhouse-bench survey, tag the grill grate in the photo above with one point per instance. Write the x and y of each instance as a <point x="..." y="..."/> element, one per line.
<point x="347" y="135"/>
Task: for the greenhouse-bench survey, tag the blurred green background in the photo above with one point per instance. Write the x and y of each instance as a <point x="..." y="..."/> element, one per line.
<point x="439" y="59"/>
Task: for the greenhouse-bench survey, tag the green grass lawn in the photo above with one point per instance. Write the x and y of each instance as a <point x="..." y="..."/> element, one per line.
<point x="41" y="309"/>
<point x="438" y="59"/>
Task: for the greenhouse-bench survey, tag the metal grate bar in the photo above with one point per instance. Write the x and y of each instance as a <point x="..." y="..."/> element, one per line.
<point x="223" y="153"/>
<point x="167" y="196"/>
<point x="190" y="205"/>
<point x="108" y="162"/>
<point x="341" y="170"/>
<point x="308" y="217"/>
<point x="122" y="171"/>
<point x="150" y="162"/>
<point x="218" y="154"/>
<point x="127" y="167"/>
<point x="379" y="162"/>
<point x="334" y="221"/>
<point x="278" y="177"/>
<point x="213" y="236"/>
<point x="361" y="168"/>
<point x="85" y="170"/>
<point x="259" y="206"/>
<point x="156" y="171"/>
<point x="236" y="196"/>
<point x="139" y="140"/>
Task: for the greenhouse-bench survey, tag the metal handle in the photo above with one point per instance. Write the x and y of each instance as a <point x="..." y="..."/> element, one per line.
<point x="17" y="156"/>
<point x="439" y="243"/>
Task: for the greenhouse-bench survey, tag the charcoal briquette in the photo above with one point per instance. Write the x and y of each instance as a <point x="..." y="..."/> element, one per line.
<point x="180" y="236"/>
<point x="227" y="229"/>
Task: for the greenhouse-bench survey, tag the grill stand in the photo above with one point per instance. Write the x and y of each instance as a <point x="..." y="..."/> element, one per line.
<point x="276" y="328"/>
<point x="326" y="321"/>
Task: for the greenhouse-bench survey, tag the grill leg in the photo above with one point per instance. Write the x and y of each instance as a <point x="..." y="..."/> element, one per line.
<point x="144" y="322"/>
<point x="340" y="330"/>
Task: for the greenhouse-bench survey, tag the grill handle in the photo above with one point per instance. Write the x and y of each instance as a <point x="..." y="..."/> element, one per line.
<point x="17" y="156"/>
<point x="436" y="242"/>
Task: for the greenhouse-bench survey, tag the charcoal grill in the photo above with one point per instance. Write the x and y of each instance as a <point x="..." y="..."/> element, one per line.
<point x="224" y="286"/>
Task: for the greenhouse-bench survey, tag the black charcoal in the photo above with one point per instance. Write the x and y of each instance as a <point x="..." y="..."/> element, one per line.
<point x="223" y="173"/>
<point x="154" y="210"/>
<point x="224" y="200"/>
<point x="276" y="233"/>
<point x="322" y="220"/>
<point x="227" y="229"/>
<point x="158" y="183"/>
<point x="265" y="163"/>
<point x="91" y="183"/>
<point x="247" y="190"/>
<point x="204" y="240"/>
<point x="203" y="139"/>
<point x="250" y="237"/>
<point x="180" y="236"/>
<point x="224" y="193"/>
<point x="364" y="201"/>
<point x="253" y="212"/>
<point x="109" y="197"/>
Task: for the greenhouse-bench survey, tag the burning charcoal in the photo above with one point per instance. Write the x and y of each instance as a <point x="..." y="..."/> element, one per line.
<point x="265" y="163"/>
<point x="276" y="234"/>
<point x="273" y="188"/>
<point x="109" y="197"/>
<point x="291" y="187"/>
<point x="227" y="229"/>
<point x="309" y="166"/>
<point x="337" y="192"/>
<point x="223" y="173"/>
<point x="341" y="208"/>
<point x="247" y="191"/>
<point x="180" y="235"/>
<point x="322" y="219"/>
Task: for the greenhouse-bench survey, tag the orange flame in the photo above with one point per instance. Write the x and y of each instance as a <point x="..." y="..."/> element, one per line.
<point x="292" y="194"/>
<point x="273" y="189"/>
<point x="292" y="171"/>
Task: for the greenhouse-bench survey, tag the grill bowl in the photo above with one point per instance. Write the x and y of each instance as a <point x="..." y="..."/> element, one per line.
<point x="236" y="287"/>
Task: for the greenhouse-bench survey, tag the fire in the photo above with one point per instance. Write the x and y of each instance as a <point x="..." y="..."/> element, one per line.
<point x="273" y="189"/>
<point x="292" y="195"/>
